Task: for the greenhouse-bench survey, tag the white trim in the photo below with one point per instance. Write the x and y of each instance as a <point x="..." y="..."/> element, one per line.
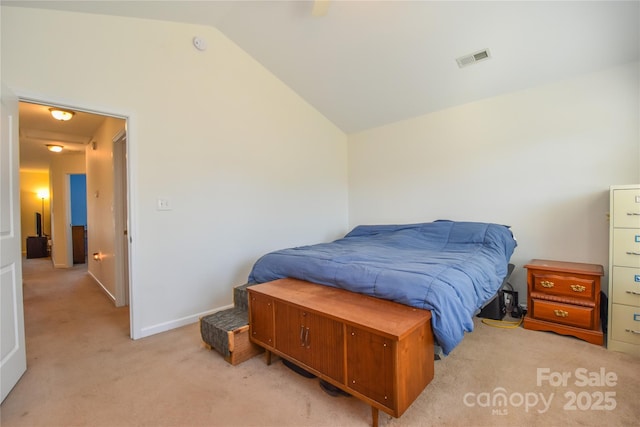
<point x="173" y="324"/>
<point x="106" y="291"/>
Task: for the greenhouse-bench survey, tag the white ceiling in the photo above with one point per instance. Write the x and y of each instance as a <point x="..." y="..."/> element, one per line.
<point x="370" y="63"/>
<point x="38" y="128"/>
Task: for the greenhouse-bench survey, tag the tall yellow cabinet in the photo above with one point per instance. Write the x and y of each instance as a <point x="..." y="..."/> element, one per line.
<point x="624" y="270"/>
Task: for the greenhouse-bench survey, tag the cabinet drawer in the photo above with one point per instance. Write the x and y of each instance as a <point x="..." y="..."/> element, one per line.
<point x="625" y="323"/>
<point x="626" y="247"/>
<point x="626" y="208"/>
<point x="564" y="285"/>
<point x="626" y="285"/>
<point x="566" y="314"/>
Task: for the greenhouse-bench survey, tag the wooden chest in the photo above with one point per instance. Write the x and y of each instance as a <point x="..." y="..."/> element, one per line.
<point x="376" y="350"/>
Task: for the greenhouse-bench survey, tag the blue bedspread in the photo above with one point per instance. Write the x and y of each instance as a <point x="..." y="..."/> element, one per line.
<point x="450" y="268"/>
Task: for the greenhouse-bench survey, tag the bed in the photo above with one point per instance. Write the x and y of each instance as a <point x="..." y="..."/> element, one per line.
<point x="451" y="268"/>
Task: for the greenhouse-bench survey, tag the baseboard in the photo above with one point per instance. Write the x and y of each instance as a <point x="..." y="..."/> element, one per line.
<point x="177" y="323"/>
<point x="105" y="290"/>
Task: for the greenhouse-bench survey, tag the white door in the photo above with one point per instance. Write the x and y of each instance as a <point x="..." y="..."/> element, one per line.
<point x="13" y="358"/>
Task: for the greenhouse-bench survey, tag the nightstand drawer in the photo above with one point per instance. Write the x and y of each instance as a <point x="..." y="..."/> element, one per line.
<point x="625" y="324"/>
<point x="626" y="247"/>
<point x="563" y="285"/>
<point x="626" y="208"/>
<point x="572" y="315"/>
<point x="626" y="286"/>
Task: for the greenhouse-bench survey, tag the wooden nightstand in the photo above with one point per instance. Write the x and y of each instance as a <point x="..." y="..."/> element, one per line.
<point x="564" y="297"/>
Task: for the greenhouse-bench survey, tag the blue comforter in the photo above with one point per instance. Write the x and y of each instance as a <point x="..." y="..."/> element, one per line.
<point x="450" y="268"/>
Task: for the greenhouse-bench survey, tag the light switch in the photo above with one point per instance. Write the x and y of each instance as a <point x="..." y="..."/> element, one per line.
<point x="163" y="205"/>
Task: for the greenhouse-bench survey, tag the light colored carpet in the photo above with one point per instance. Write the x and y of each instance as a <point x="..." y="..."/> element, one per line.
<point x="83" y="370"/>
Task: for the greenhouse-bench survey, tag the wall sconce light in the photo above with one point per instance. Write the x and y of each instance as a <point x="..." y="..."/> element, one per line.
<point x="54" y="148"/>
<point x="62" y="115"/>
<point x="96" y="256"/>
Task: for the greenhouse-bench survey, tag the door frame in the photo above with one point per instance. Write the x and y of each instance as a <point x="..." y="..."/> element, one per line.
<point x="128" y="117"/>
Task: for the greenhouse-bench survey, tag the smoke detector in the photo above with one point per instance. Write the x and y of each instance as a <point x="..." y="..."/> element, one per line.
<point x="472" y="58"/>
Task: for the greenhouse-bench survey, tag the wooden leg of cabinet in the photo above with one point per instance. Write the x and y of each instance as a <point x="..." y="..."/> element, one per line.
<point x="267" y="357"/>
<point x="374" y="416"/>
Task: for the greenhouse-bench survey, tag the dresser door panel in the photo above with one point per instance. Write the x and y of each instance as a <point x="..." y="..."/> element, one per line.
<point x="310" y="338"/>
<point x="370" y="365"/>
<point x="262" y="319"/>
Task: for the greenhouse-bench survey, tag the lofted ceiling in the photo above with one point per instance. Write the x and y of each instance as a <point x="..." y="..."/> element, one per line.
<point x="365" y="64"/>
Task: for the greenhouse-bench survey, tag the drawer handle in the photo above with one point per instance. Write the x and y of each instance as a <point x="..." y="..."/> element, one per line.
<point x="633" y="253"/>
<point x="561" y="313"/>
<point x="578" y="288"/>
<point x="633" y="292"/>
<point x="546" y="284"/>
<point x="633" y="213"/>
<point x="632" y="331"/>
<point x="301" y="335"/>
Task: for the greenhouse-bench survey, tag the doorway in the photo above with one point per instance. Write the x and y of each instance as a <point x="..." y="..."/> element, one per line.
<point x="90" y="153"/>
<point x="78" y="207"/>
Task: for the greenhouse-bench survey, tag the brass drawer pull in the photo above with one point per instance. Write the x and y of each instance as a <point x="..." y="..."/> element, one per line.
<point x="632" y="331"/>
<point x="561" y="313"/>
<point x="578" y="288"/>
<point x="546" y="284"/>
<point x="633" y="292"/>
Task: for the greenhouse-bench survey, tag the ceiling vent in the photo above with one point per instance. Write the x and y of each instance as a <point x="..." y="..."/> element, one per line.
<point x="466" y="60"/>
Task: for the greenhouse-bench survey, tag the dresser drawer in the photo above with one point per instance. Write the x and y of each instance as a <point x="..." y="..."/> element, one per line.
<point x="563" y="285"/>
<point x="626" y="247"/>
<point x="566" y="314"/>
<point x="626" y="286"/>
<point x="626" y="208"/>
<point x="625" y="323"/>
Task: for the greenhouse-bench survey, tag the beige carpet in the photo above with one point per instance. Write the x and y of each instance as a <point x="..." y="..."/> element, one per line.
<point x="83" y="370"/>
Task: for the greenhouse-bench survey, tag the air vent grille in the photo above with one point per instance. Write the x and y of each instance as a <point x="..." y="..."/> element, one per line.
<point x="472" y="58"/>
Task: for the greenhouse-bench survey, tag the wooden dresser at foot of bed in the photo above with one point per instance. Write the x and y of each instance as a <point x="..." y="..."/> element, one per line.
<point x="564" y="297"/>
<point x="376" y="350"/>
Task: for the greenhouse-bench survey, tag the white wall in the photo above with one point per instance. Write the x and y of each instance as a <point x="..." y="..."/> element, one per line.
<point x="101" y="233"/>
<point x="246" y="164"/>
<point x="540" y="160"/>
<point x="61" y="166"/>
